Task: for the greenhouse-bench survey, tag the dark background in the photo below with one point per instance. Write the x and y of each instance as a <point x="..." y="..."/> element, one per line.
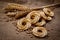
<point x="9" y="32"/>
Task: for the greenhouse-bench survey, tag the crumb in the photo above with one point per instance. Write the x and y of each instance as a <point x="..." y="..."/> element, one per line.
<point x="31" y="37"/>
<point x="14" y="23"/>
<point x="17" y="33"/>
<point x="27" y="32"/>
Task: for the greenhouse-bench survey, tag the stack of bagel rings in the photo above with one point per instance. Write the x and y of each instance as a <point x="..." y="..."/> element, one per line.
<point x="24" y="24"/>
<point x="33" y="18"/>
<point x="36" y="17"/>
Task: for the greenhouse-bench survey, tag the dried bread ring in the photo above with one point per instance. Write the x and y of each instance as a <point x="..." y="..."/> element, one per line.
<point x="23" y="24"/>
<point x="39" y="31"/>
<point x="48" y="11"/>
<point x="44" y="16"/>
<point x="34" y="16"/>
<point x="41" y="23"/>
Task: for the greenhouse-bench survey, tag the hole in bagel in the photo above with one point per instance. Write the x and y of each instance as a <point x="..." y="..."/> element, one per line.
<point x="48" y="11"/>
<point x="24" y="23"/>
<point x="32" y="16"/>
<point x="40" y="19"/>
<point x="39" y="31"/>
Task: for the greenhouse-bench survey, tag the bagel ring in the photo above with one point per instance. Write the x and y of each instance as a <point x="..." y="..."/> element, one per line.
<point x="41" y="23"/>
<point x="23" y="24"/>
<point x="34" y="16"/>
<point x="39" y="31"/>
<point x="48" y="12"/>
<point x="44" y="16"/>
